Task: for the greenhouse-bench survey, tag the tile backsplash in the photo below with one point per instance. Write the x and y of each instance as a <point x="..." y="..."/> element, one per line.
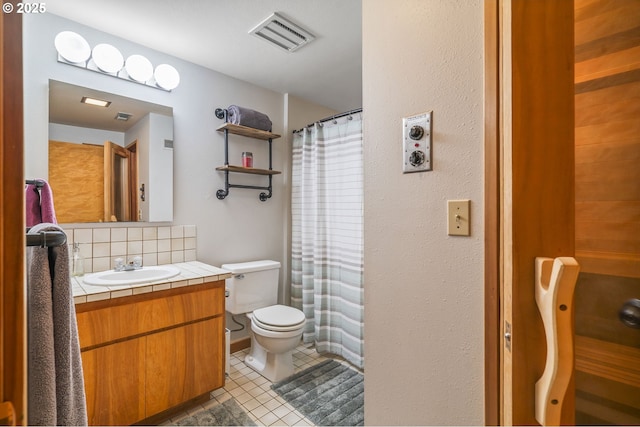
<point x="156" y="245"/>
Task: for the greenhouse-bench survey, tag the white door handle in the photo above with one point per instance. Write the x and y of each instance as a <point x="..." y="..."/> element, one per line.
<point x="555" y="282"/>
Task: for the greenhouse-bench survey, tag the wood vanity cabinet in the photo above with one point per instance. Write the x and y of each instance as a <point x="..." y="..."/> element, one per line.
<point x="145" y="354"/>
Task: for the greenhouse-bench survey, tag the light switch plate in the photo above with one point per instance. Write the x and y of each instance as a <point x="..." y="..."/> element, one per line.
<point x="458" y="217"/>
<point x="416" y="143"/>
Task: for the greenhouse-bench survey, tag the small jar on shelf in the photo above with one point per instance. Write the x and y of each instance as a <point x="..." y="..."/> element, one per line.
<point x="247" y="159"/>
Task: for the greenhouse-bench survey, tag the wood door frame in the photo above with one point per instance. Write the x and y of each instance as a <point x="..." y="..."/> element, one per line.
<point x="111" y="151"/>
<point x="13" y="341"/>
<point x="133" y="179"/>
<point x="529" y="189"/>
<point x="492" y="341"/>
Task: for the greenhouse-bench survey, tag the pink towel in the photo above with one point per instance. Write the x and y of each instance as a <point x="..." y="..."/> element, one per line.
<point x="34" y="216"/>
<point x="39" y="204"/>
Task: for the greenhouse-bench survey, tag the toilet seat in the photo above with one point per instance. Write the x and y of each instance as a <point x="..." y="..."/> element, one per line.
<point x="278" y="318"/>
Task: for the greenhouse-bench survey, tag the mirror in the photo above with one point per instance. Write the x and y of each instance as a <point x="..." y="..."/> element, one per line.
<point x="111" y="162"/>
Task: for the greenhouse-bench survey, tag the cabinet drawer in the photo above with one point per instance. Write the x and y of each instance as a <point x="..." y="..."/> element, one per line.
<point x="141" y="317"/>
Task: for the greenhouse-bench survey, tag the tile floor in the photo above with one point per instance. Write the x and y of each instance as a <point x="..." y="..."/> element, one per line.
<point x="253" y="392"/>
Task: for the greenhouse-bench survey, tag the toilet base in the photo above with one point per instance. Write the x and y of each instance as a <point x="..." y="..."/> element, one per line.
<point x="274" y="367"/>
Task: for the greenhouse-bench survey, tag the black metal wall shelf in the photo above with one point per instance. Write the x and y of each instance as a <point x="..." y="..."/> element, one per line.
<point x="229" y="128"/>
<point x="241" y="169"/>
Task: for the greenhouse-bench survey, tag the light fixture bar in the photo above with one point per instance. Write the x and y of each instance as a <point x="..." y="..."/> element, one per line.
<point x="105" y="59"/>
<point x="94" y="101"/>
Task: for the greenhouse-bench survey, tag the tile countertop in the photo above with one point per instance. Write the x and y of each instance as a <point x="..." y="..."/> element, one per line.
<point x="191" y="273"/>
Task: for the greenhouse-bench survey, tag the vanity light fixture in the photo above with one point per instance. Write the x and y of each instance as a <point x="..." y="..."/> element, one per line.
<point x="106" y="59"/>
<point x="94" y="101"/>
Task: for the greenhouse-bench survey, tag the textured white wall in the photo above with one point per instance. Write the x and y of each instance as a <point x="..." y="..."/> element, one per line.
<point x="423" y="289"/>
<point x="159" y="188"/>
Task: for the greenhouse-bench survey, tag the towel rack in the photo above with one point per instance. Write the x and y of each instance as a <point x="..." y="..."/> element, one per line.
<point x="38" y="183"/>
<point x="46" y="239"/>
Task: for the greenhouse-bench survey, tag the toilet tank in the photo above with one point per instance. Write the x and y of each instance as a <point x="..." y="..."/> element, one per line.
<point x="253" y="285"/>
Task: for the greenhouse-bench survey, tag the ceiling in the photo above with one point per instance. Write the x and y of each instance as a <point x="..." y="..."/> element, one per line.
<point x="215" y="34"/>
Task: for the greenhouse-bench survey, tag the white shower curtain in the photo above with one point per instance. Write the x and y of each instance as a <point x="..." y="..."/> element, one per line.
<point x="327" y="235"/>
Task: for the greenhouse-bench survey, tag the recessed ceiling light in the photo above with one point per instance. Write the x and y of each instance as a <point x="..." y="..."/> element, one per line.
<point x="123" y="116"/>
<point x="94" y="101"/>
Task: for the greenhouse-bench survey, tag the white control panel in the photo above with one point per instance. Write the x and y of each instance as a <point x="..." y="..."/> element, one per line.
<point x="416" y="143"/>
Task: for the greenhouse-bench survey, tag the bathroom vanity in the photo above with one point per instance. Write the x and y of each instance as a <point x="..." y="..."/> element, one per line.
<point x="147" y="348"/>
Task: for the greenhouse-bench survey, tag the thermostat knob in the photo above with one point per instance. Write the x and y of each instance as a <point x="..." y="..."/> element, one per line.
<point x="416" y="132"/>
<point x="416" y="158"/>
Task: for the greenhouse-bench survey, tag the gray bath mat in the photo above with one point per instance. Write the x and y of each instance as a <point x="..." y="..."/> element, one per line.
<point x="329" y="394"/>
<point x="228" y="413"/>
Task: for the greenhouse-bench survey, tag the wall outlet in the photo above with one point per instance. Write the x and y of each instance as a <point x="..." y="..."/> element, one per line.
<point x="416" y="143"/>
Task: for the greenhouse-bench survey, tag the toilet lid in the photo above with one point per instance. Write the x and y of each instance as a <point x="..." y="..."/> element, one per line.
<point x="278" y="317"/>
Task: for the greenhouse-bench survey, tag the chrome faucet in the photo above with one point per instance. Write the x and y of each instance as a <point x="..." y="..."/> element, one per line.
<point x="135" y="264"/>
<point x="129" y="267"/>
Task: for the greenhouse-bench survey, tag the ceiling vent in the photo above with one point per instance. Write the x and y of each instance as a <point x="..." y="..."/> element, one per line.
<point x="281" y="32"/>
<point x="123" y="116"/>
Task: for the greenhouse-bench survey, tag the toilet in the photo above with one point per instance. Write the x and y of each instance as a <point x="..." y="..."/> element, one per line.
<point x="276" y="329"/>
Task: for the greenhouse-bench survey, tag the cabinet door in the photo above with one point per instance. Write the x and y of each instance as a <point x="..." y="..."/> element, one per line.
<point x="184" y="363"/>
<point x="114" y="379"/>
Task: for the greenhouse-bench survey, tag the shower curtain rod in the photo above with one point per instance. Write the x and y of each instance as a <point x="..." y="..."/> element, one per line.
<point x="335" y="116"/>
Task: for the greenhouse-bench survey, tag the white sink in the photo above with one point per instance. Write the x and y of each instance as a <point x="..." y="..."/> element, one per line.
<point x="141" y="275"/>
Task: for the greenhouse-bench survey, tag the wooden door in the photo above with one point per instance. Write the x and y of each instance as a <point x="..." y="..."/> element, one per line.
<point x="13" y="365"/>
<point x="532" y="166"/>
<point x="76" y="172"/>
<point x="529" y="181"/>
<point x="183" y="363"/>
<point x="114" y="378"/>
<point x="607" y="100"/>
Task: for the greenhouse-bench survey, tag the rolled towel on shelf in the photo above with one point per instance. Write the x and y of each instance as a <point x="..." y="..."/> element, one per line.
<point x="248" y="117"/>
